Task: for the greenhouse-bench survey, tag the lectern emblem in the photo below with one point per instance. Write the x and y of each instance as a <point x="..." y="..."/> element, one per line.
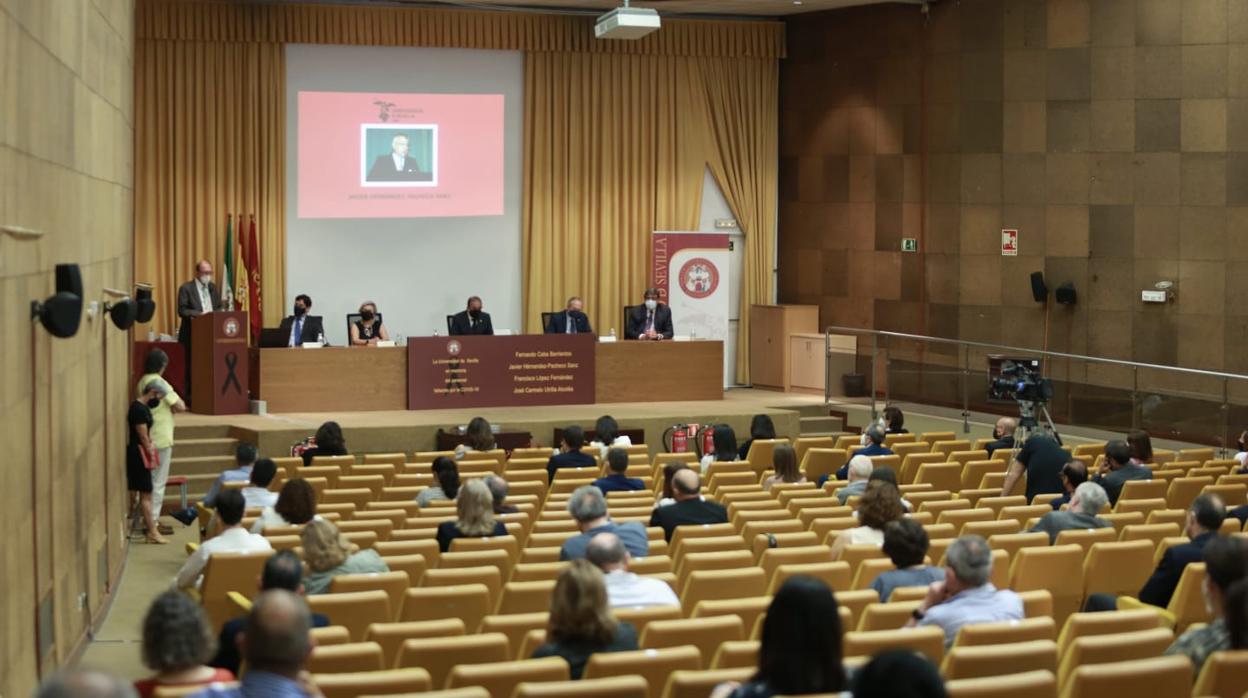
<point x="230" y="327"/>
<point x="453" y="347"/>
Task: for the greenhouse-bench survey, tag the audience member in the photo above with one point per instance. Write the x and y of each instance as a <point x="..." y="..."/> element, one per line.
<point x="446" y="475"/>
<point x="607" y="435"/>
<point x="1240" y="512"/>
<point x="1117" y="470"/>
<point x="1241" y="450"/>
<point x="873" y="438"/>
<point x="570" y="454"/>
<point x="1141" y="447"/>
<point x="617" y="479"/>
<point x="784" y="463"/>
<point x="588" y="509"/>
<point x="177" y="643"/>
<point x="1042" y="457"/>
<point x="879" y="504"/>
<point x="295" y="506"/>
<point x="475" y="510"/>
<point x="329" y="442"/>
<point x="906" y="544"/>
<point x="800" y="651"/>
<point x="256" y="494"/>
<point x="859" y="472"/>
<point x="1204" y="518"/>
<point x="1087" y="502"/>
<point x="1226" y="562"/>
<point x="84" y="683"/>
<point x="1073" y="474"/>
<point x="276" y="644"/>
<point x="894" y="420"/>
<point x="244" y="459"/>
<point x="161" y="432"/>
<point x="141" y="459"/>
<point x="690" y="508"/>
<point x="884" y="473"/>
<point x="724" y="447"/>
<point x="329" y="554"/>
<point x="1003" y="435"/>
<point x="282" y="571"/>
<point x="234" y="538"/>
<point x="581" y="623"/>
<point x="498" y="490"/>
<point x="761" y="427"/>
<point x="966" y="596"/>
<point x="1236" y="614"/>
<point x="668" y="495"/>
<point x="480" y="438"/>
<point x="625" y="589"/>
<point x="899" y="674"/>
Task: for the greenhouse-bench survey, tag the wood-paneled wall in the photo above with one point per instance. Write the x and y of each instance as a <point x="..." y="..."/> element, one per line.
<point x="66" y="169"/>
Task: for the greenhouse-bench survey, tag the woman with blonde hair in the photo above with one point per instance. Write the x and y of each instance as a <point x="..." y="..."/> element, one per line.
<point x="327" y="554"/>
<point x="480" y="438"/>
<point x="368" y="329"/>
<point x="475" y="509"/>
<point x="784" y="460"/>
<point x="580" y="620"/>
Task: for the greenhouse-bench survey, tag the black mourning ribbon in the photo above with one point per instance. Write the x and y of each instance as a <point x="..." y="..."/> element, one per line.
<point x="231" y="363"/>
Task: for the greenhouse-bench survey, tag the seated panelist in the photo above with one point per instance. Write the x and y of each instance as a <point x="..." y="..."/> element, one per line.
<point x="651" y="320"/>
<point x="572" y="320"/>
<point x="473" y="320"/>
<point x="368" y="330"/>
<point x="301" y="327"/>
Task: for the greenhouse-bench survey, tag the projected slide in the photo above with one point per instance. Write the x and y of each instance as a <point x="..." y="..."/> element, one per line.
<point x="368" y="155"/>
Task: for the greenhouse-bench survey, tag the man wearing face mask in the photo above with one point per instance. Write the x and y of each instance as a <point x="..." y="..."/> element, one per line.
<point x="195" y="298"/>
<point x="301" y="327"/>
<point x="474" y="320"/>
<point x="572" y="320"/>
<point x="652" y="320"/>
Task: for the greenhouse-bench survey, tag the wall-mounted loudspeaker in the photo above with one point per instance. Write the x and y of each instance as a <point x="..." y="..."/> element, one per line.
<point x="1065" y="294"/>
<point x="61" y="314"/>
<point x="147" y="306"/>
<point x="123" y="313"/>
<point x="1039" y="290"/>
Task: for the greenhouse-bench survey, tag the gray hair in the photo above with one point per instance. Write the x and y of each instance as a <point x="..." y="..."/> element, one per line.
<point x="498" y="488"/>
<point x="176" y="633"/>
<point x="587" y="503"/>
<point x="1092" y="498"/>
<point x="875" y="434"/>
<point x="970" y="558"/>
<point x="84" y="683"/>
<point x="861" y="466"/>
<point x="605" y="549"/>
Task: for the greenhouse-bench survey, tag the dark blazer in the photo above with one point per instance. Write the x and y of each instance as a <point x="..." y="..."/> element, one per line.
<point x="1006" y="441"/>
<point x="571" y="459"/>
<point x="619" y="483"/>
<point x="383" y="170"/>
<point x="688" y="512"/>
<point x="449" y="531"/>
<point x="1160" y="587"/>
<point x="462" y="324"/>
<point x="559" y="324"/>
<point x="637" y="321"/>
<point x="227" y="646"/>
<point x="312" y="326"/>
<point x="189" y="307"/>
<point x="1114" y="480"/>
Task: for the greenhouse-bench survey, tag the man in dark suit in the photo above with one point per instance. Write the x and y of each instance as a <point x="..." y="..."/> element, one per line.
<point x="1204" y="518"/>
<point x="617" y="479"/>
<point x="1004" y="435"/>
<point x="651" y="320"/>
<point x="195" y="298"/>
<point x="473" y="320"/>
<point x="690" y="508"/>
<point x="397" y="166"/>
<point x="301" y="327"/>
<point x="572" y="320"/>
<point x="1118" y="470"/>
<point x="570" y="455"/>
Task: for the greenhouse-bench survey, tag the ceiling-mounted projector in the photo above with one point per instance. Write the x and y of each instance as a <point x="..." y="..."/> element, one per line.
<point x="627" y="23"/>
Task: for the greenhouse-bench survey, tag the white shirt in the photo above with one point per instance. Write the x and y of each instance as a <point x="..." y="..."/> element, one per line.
<point x="865" y="535"/>
<point x="620" y="440"/>
<point x="232" y="540"/>
<point x="398" y="161"/>
<point x="205" y="298"/>
<point x="626" y="589"/>
<point x="258" y="497"/>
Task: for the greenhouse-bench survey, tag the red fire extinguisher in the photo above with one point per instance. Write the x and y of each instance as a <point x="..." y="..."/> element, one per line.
<point x="708" y="439"/>
<point x="680" y="439"/>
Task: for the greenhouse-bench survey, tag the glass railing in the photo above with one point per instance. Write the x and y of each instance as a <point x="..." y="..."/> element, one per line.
<point x="1169" y="402"/>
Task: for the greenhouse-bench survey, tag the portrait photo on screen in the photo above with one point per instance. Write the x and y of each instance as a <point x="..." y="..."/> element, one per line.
<point x="398" y="156"/>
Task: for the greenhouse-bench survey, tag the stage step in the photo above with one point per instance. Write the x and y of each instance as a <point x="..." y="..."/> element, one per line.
<point x="182" y="430"/>
<point x="808" y="410"/>
<point x="217" y="447"/>
<point x="822" y="426"/>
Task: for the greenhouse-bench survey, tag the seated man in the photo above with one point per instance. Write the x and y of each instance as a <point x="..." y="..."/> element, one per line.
<point x="498" y="489"/>
<point x="1118" y="469"/>
<point x="257" y="494"/>
<point x="859" y="469"/>
<point x="1073" y="474"/>
<point x="244" y="460"/>
<point x="1226" y="562"/>
<point x="276" y="645"/>
<point x="234" y="538"/>
<point x="282" y="571"/>
<point x="906" y="544"/>
<point x="966" y="595"/>
<point x="689" y="507"/>
<point x="572" y="320"/>
<point x="618" y="480"/>
<point x="588" y="508"/>
<point x="1087" y="502"/>
<point x="625" y="589"/>
<point x="570" y="454"/>
<point x="875" y="447"/>
<point x="301" y="327"/>
<point x="1004" y="435"/>
<point x="1204" y="518"/>
<point x="471" y="321"/>
<point x="650" y="320"/>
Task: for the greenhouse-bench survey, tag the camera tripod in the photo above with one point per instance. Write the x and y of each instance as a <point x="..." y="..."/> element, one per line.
<point x="1032" y="415"/>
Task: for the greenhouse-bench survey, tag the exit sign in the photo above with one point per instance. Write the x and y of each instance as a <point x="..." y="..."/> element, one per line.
<point x="909" y="245"/>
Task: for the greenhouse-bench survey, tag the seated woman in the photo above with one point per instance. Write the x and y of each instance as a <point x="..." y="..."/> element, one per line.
<point x="1141" y="447"/>
<point x="800" y="652"/>
<point x="329" y="442"/>
<point x="724" y="440"/>
<point x="177" y="641"/>
<point x="607" y="435"/>
<point x="880" y="504"/>
<point x="480" y="437"/>
<point x="328" y="554"/>
<point x="368" y="329"/>
<point x="784" y="461"/>
<point x="295" y="506"/>
<point x="581" y="623"/>
<point x="906" y="543"/>
<point x="761" y="427"/>
<point x="446" y="479"/>
<point x="475" y="509"/>
<point x="894" y="420"/>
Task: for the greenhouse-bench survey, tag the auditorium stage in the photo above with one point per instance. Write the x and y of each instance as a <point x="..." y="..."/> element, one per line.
<point x="409" y="430"/>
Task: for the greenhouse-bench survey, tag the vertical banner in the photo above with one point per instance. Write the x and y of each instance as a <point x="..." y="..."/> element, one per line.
<point x="691" y="272"/>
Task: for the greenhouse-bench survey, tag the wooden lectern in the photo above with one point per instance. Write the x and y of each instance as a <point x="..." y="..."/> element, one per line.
<point x="219" y="363"/>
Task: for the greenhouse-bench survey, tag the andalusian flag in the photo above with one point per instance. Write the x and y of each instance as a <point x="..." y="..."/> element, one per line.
<point x="228" y="279"/>
<point x="252" y="255"/>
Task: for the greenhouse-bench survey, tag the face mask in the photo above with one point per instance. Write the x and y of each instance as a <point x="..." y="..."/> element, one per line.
<point x="205" y="279"/>
<point x="474" y="314"/>
<point x="154" y="403"/>
<point x="651" y="304"/>
<point x="575" y="314"/>
<point x="300" y="310"/>
<point x="366" y="315"/>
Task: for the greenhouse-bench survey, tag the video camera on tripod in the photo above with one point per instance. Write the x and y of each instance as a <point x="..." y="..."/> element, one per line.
<point x="1020" y="380"/>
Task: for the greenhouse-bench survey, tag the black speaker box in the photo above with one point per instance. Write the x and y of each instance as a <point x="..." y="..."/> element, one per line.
<point x="123" y="313"/>
<point x="146" y="306"/>
<point x="1065" y="294"/>
<point x="68" y="279"/>
<point x="61" y="314"/>
<point x="1039" y="290"/>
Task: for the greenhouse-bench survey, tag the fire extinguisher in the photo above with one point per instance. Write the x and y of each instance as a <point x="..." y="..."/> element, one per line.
<point x="678" y="436"/>
<point x="708" y="439"/>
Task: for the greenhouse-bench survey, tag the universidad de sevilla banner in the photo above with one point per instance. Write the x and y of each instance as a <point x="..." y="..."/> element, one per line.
<point x="691" y="272"/>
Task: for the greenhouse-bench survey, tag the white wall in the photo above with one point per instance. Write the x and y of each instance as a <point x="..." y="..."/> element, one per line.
<point x="715" y="206"/>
